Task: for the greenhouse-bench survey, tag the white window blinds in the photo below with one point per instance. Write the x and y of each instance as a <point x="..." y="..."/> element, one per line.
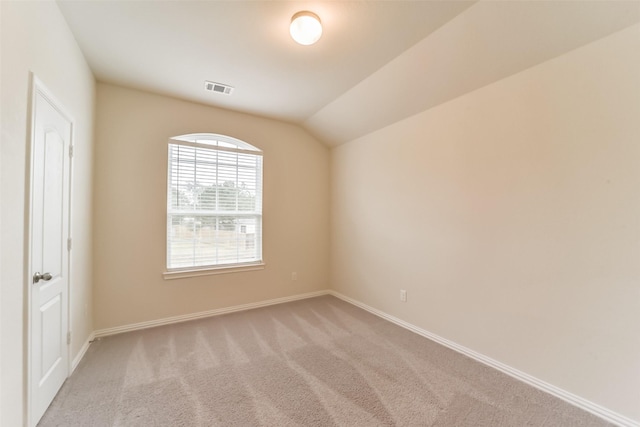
<point x="214" y="202"/>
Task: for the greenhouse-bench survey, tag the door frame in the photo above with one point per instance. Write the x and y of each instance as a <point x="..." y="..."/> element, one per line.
<point x="36" y="86"/>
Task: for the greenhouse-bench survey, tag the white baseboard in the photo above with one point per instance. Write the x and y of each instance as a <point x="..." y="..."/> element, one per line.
<point x="200" y="315"/>
<point x="81" y="353"/>
<point x="600" y="411"/>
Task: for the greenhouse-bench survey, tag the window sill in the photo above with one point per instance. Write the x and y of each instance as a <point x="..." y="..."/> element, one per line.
<point x="209" y="271"/>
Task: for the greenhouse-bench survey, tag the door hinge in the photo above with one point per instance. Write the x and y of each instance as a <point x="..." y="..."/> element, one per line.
<point x="71" y="151"/>
<point x="69" y="337"/>
<point x="69" y="244"/>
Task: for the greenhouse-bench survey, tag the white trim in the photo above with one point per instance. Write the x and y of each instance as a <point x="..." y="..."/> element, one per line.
<point x="203" y="314"/>
<point x="67" y="247"/>
<point x="594" y="408"/>
<point x="82" y="352"/>
<point x="584" y="404"/>
<point x="195" y="272"/>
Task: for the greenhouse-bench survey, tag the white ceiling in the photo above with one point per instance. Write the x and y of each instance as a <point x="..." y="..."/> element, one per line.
<point x="377" y="61"/>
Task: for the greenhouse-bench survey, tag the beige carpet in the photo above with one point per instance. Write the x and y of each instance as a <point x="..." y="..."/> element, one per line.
<point x="316" y="362"/>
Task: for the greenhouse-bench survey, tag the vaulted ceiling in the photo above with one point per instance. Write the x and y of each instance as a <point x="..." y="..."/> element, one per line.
<point x="376" y="63"/>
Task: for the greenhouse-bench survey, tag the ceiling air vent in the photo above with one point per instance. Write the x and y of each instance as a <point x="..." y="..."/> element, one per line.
<point x="218" y="87"/>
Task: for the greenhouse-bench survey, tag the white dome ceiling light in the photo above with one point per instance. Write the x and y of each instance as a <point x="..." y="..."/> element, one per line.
<point x="305" y="28"/>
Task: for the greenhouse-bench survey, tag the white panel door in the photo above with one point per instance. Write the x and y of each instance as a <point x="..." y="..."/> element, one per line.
<point x="50" y="175"/>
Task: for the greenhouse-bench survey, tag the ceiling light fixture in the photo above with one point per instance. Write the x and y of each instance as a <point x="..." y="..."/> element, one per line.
<point x="305" y="28"/>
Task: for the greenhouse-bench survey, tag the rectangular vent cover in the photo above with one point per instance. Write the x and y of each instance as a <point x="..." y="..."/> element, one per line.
<point x="218" y="87"/>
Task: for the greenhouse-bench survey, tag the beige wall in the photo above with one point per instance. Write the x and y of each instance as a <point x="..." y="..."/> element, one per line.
<point x="511" y="215"/>
<point x="35" y="37"/>
<point x="130" y="209"/>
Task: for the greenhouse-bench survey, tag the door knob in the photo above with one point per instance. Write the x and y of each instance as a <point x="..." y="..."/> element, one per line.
<point x="45" y="276"/>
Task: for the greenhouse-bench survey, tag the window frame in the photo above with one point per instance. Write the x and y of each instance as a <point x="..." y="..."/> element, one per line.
<point x="219" y="143"/>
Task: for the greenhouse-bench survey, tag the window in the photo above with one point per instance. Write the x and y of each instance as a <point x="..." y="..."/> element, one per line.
<point x="214" y="203"/>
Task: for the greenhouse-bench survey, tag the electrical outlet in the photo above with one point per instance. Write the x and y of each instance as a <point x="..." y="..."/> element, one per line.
<point x="403" y="295"/>
<point x="294" y="276"/>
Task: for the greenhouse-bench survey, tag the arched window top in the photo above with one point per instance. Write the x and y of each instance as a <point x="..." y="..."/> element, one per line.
<point x="215" y="140"/>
